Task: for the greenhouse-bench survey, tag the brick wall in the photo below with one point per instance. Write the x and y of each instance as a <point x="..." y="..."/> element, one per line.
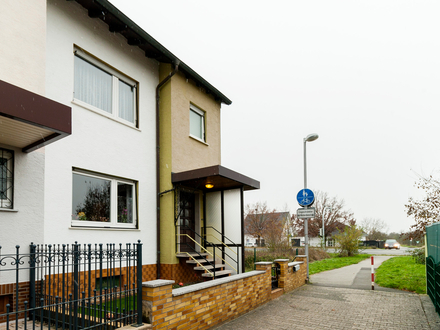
<point x="8" y="296"/>
<point x="180" y="272"/>
<point x="289" y="278"/>
<point x="204" y="305"/>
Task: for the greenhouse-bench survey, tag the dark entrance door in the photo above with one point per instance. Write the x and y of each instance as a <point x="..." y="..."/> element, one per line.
<point x="187" y="221"/>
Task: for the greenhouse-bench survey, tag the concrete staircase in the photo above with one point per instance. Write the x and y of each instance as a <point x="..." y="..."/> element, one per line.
<point x="202" y="258"/>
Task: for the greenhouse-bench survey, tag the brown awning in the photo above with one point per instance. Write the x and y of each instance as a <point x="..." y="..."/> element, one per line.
<point x="30" y="121"/>
<point x="221" y="177"/>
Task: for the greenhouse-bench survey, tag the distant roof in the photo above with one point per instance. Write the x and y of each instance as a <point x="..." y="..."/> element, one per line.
<point x="279" y="215"/>
<point x="136" y="36"/>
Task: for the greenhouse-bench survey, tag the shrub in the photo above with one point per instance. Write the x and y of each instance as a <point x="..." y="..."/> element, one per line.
<point x="418" y="255"/>
<point x="348" y="241"/>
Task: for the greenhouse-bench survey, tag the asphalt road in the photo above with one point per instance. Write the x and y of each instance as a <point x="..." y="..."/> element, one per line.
<point x="401" y="252"/>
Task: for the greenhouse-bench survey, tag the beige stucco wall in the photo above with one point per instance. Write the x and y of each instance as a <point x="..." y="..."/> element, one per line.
<point x="178" y="151"/>
<point x="23" y="41"/>
<point x="188" y="153"/>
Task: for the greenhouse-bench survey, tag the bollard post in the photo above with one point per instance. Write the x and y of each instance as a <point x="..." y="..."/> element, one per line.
<point x="372" y="273"/>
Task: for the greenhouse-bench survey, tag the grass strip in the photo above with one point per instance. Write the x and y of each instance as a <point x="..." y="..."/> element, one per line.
<point x="402" y="273"/>
<point x="335" y="262"/>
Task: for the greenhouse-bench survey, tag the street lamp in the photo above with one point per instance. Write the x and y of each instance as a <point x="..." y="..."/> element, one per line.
<point x="308" y="138"/>
<point x="329" y="208"/>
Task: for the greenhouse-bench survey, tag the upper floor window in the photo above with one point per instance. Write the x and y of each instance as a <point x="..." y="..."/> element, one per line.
<point x="197" y="123"/>
<point x="6" y="178"/>
<point x="104" y="89"/>
<point x="103" y="201"/>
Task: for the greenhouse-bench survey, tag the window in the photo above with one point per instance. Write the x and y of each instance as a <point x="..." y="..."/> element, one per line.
<point x="103" y="201"/>
<point x="197" y="123"/>
<point x="6" y="178"/>
<point x="104" y="89"/>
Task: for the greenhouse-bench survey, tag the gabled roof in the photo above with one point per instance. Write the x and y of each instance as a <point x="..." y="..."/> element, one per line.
<point x="135" y="35"/>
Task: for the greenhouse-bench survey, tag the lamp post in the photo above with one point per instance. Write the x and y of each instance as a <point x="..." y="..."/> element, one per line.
<point x="308" y="138"/>
<point x="329" y="208"/>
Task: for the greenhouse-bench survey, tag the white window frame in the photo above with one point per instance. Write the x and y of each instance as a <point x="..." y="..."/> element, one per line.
<point x="202" y="114"/>
<point x="116" y="77"/>
<point x="113" y="223"/>
<point x="8" y="203"/>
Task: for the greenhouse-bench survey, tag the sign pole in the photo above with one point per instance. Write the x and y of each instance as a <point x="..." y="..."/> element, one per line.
<point x="306" y="227"/>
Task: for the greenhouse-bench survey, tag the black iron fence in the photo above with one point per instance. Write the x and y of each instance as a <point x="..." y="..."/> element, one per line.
<point x="71" y="286"/>
<point x="276" y="272"/>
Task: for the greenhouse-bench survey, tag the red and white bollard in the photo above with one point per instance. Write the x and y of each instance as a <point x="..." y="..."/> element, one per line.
<point x="372" y="273"/>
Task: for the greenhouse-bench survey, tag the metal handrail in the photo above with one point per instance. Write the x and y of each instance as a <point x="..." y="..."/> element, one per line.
<point x="234" y="244"/>
<point x="191" y="257"/>
<point x="214" y="256"/>
<point x="223" y="243"/>
<point x="221" y="234"/>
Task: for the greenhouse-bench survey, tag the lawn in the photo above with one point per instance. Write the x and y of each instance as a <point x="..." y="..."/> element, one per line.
<point x="335" y="262"/>
<point x="402" y="273"/>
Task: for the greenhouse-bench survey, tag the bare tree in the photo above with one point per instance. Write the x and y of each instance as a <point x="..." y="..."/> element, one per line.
<point x="334" y="220"/>
<point x="426" y="210"/>
<point x="276" y="234"/>
<point x="257" y="219"/>
<point x="376" y="229"/>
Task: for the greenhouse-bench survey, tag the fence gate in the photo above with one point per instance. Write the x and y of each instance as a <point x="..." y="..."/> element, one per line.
<point x="433" y="264"/>
<point x="71" y="286"/>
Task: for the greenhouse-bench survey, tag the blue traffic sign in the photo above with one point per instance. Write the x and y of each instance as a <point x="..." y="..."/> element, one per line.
<point x="305" y="197"/>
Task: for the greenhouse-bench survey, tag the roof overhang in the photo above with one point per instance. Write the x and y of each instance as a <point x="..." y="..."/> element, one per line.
<point x="30" y="121"/>
<point x="221" y="177"/>
<point x="118" y="22"/>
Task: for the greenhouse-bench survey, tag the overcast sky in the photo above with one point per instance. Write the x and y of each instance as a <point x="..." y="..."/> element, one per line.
<point x="364" y="75"/>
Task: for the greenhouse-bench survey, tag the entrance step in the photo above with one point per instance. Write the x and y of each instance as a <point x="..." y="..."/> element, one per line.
<point x="194" y="255"/>
<point x="209" y="267"/>
<point x="202" y="261"/>
<point x="221" y="273"/>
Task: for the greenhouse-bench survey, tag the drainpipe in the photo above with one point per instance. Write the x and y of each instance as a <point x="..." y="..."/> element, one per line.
<point x="161" y="84"/>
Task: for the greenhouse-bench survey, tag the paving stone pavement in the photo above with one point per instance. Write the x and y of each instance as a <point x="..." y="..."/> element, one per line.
<point x="319" y="307"/>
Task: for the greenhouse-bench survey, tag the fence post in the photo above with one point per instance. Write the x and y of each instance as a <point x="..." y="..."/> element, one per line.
<point x="32" y="293"/>
<point x="139" y="283"/>
<point x="75" y="284"/>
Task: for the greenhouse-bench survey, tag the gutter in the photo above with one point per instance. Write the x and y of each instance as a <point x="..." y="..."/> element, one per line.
<point x="158" y="193"/>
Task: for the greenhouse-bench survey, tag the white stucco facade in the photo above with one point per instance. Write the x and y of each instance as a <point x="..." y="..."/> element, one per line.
<point x="25" y="34"/>
<point x="98" y="143"/>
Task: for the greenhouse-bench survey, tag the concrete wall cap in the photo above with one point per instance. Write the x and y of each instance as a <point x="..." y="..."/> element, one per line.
<point x="142" y="327"/>
<point x="290" y="264"/>
<point x="157" y="283"/>
<point x="264" y="263"/>
<point x="212" y="283"/>
<point x="280" y="260"/>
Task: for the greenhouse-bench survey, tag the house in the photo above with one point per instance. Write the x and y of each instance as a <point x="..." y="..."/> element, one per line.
<point x="108" y="137"/>
<point x="270" y="228"/>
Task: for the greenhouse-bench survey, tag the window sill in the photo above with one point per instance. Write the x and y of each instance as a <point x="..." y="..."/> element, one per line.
<point x="104" y="228"/>
<point x="198" y="140"/>
<point x="8" y="210"/>
<point x="104" y="114"/>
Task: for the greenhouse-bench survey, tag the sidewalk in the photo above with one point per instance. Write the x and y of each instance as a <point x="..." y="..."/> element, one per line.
<point x="357" y="276"/>
<point x="317" y="307"/>
<point x="342" y="299"/>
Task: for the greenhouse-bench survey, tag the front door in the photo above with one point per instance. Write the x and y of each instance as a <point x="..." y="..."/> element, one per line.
<point x="187" y="221"/>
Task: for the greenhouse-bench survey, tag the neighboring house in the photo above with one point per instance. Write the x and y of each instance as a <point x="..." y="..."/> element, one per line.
<point x="107" y="137"/>
<point x="278" y="230"/>
<point x="330" y="241"/>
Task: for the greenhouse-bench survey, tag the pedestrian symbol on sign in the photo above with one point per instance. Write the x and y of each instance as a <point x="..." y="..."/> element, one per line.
<point x="305" y="197"/>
